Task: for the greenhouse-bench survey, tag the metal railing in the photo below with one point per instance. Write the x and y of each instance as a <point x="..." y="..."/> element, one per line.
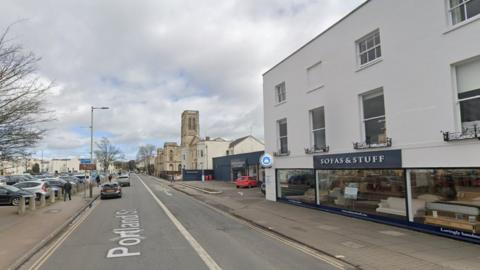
<point x="368" y="145"/>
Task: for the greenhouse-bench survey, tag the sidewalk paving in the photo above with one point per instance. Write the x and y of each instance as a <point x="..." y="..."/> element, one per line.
<point x="20" y="234"/>
<point x="366" y="244"/>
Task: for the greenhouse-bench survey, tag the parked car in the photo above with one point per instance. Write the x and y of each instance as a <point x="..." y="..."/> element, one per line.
<point x="13" y="179"/>
<point x="3" y="181"/>
<point x="123" y="180"/>
<point x="111" y="190"/>
<point x="36" y="187"/>
<point x="11" y="195"/>
<point x="82" y="177"/>
<point x="246" y="181"/>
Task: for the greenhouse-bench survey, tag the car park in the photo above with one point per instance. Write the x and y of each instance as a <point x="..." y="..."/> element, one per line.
<point x="11" y="195"/>
<point x="246" y="181"/>
<point x="36" y="187"/>
<point x="123" y="180"/>
<point x="111" y="190"/>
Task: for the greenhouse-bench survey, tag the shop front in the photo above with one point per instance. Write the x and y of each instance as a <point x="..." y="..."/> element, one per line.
<point x="375" y="186"/>
<point x="229" y="168"/>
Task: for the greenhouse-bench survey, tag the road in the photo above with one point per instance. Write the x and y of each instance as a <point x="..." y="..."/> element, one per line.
<point x="166" y="229"/>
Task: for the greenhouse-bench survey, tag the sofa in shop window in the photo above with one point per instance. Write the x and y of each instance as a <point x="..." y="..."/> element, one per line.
<point x="397" y="206"/>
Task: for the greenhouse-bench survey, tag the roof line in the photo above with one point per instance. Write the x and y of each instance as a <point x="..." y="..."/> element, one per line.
<point x="313" y="39"/>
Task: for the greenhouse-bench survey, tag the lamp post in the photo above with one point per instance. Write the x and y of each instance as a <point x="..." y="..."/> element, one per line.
<point x="91" y="141"/>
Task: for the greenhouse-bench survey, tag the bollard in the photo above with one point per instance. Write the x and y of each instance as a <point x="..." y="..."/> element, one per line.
<point x="90" y="188"/>
<point x="32" y="203"/>
<point x="21" y="206"/>
<point x="52" y="196"/>
<point x="42" y="200"/>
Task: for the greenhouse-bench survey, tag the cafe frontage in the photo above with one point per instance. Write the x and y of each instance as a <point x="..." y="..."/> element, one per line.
<point x="376" y="186"/>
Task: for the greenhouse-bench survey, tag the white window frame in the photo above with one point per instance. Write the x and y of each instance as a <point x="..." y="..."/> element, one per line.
<point x="279" y="140"/>
<point x="280" y="93"/>
<point x="367" y="50"/>
<point x="378" y="91"/>
<point x="458" y="101"/>
<point x="451" y="9"/>
<point x="312" y="131"/>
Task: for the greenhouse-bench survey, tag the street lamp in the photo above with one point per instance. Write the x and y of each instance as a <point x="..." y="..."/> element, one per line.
<point x="91" y="140"/>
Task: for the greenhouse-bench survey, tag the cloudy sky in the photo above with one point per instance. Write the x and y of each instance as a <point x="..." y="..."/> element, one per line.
<point x="149" y="60"/>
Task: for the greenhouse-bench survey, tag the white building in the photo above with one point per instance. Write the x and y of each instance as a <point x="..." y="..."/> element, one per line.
<point x="64" y="165"/>
<point x="379" y="111"/>
<point x="208" y="149"/>
<point x="247" y="144"/>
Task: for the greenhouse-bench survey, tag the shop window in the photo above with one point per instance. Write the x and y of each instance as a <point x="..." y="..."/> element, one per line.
<point x="317" y="117"/>
<point x="373" y="118"/>
<point x="468" y="87"/>
<point x="447" y="198"/>
<point x="461" y="10"/>
<point x="296" y="185"/>
<point x="378" y="192"/>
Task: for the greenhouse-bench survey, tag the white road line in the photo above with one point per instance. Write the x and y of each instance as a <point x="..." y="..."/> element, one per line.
<point x="60" y="241"/>
<point x="211" y="264"/>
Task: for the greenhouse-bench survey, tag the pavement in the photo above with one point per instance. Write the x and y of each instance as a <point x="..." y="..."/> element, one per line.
<point x="365" y="244"/>
<point x="20" y="235"/>
<point x="156" y="227"/>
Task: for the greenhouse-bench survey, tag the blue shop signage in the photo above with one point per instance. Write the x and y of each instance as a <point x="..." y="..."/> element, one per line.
<point x="360" y="160"/>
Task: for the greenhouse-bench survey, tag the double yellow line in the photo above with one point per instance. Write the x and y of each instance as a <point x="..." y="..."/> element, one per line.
<point x="45" y="256"/>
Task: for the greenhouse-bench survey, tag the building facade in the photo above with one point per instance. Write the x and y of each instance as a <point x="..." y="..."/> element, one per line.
<point x="378" y="118"/>
<point x="168" y="159"/>
<point x="190" y="136"/>
<point x="208" y="149"/>
<point x="245" y="144"/>
<point x="231" y="167"/>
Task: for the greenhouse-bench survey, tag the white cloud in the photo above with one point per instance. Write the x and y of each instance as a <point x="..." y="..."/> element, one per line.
<point x="148" y="60"/>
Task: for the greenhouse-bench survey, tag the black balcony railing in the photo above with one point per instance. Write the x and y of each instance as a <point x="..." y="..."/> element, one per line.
<point x="465" y="134"/>
<point x="368" y="145"/>
<point x="316" y="149"/>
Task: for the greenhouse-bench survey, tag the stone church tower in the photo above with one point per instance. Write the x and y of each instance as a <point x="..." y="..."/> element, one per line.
<point x="190" y="127"/>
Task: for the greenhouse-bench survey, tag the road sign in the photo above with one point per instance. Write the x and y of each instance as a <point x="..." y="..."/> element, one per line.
<point x="85" y="161"/>
<point x="266" y="160"/>
<point x="88" y="167"/>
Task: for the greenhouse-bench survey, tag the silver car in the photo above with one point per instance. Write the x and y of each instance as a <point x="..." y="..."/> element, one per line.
<point x="123" y="180"/>
<point x="36" y="187"/>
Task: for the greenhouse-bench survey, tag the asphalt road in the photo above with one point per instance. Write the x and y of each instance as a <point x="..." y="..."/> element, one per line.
<point x="166" y="229"/>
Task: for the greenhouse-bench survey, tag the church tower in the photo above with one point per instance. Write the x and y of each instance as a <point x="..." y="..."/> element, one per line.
<point x="190" y="127"/>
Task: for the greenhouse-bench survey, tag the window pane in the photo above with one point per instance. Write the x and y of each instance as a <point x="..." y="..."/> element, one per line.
<point x="298" y="185"/>
<point x="379" y="192"/>
<point x="378" y="52"/>
<point x="362" y="46"/>
<point x="373" y="106"/>
<point x="455" y="2"/>
<point x="371" y="55"/>
<point x="319" y="139"/>
<point x="283" y="145"/>
<point x="473" y="8"/>
<point x="470" y="112"/>
<point x="458" y="15"/>
<point x="282" y="127"/>
<point x="377" y="39"/>
<point x="375" y="131"/>
<point x="363" y="58"/>
<point x="318" y="118"/>
<point x="370" y="42"/>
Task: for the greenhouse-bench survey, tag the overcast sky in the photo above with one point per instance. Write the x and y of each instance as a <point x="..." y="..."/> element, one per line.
<point x="149" y="60"/>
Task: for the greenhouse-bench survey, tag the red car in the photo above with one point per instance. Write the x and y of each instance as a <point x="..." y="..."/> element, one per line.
<point x="246" y="181"/>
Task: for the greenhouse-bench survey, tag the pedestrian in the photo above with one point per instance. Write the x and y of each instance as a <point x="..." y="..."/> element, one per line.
<point x="67" y="191"/>
<point x="110" y="178"/>
<point x="97" y="179"/>
<point x="171" y="179"/>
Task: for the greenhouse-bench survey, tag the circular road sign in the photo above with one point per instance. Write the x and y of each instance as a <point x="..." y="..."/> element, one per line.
<point x="266" y="160"/>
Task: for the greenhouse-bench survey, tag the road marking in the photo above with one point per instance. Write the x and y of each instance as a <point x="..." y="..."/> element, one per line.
<point x="211" y="264"/>
<point x="163" y="189"/>
<point x="45" y="256"/>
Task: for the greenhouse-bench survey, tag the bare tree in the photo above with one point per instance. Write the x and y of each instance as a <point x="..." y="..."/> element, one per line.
<point x="145" y="155"/>
<point x="22" y="99"/>
<point x="107" y="153"/>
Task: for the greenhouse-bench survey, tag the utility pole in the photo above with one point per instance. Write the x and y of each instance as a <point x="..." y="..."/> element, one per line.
<point x="91" y="143"/>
